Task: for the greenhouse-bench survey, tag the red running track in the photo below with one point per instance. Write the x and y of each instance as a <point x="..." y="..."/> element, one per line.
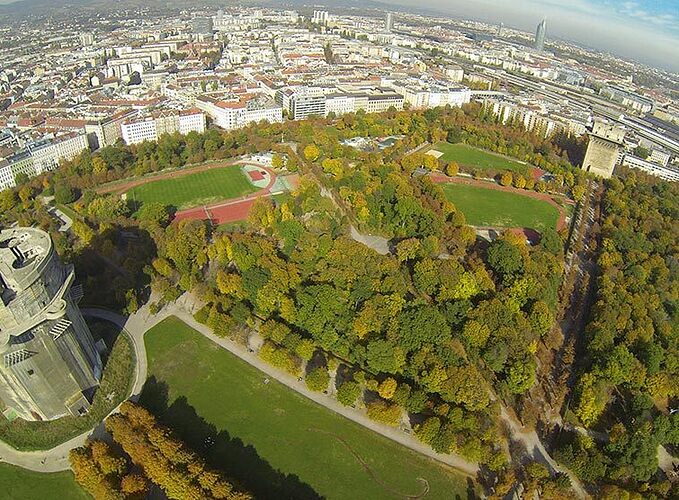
<point x="230" y="210"/>
<point x="561" y="222"/>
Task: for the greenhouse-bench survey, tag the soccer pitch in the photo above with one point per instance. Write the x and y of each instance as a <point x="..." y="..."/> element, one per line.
<point x="200" y="188"/>
<point x="493" y="208"/>
<point x="471" y="157"/>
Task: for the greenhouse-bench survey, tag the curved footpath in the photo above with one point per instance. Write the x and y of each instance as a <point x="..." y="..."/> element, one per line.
<point x="56" y="459"/>
<point x="137" y="324"/>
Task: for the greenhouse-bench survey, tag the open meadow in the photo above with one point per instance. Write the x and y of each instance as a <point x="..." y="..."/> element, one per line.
<point x="274" y="441"/>
<point x="471" y="157"/>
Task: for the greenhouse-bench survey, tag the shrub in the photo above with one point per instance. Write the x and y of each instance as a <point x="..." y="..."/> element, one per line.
<point x="64" y="194"/>
<point x="280" y="358"/>
<point x="202" y="315"/>
<point x="317" y="379"/>
<point x="348" y="393"/>
<point x="381" y="411"/>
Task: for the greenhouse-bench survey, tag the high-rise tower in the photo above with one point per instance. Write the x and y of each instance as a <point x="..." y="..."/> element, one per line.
<point x="389" y="22"/>
<point x="540" y="35"/>
<point x="49" y="366"/>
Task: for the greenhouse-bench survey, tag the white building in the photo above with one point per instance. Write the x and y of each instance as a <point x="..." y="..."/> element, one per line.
<point x="302" y="102"/>
<point x="663" y="171"/>
<point x="10" y="167"/>
<point x="320" y="17"/>
<point x="232" y="112"/>
<point x="48" y="154"/>
<point x="150" y="128"/>
<point x="423" y="95"/>
<point x="659" y="157"/>
<point x="40" y="157"/>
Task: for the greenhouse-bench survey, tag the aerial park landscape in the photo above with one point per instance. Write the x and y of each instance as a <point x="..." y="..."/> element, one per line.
<point x="238" y="290"/>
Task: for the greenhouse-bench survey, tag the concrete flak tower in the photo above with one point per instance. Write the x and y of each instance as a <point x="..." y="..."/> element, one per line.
<point x="603" y="150"/>
<point x="49" y="366"/>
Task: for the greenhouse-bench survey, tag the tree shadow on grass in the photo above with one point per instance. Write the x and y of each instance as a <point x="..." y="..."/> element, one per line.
<point x="220" y="450"/>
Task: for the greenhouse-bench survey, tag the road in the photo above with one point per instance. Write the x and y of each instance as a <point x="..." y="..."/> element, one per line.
<point x="137" y="324"/>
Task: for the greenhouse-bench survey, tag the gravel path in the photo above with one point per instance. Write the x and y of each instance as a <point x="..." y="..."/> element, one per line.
<point x="136" y="325"/>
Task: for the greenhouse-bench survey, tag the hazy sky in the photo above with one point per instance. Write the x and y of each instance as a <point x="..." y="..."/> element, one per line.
<point x="646" y="30"/>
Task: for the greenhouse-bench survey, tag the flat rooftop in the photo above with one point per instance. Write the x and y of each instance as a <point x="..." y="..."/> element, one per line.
<point x="22" y="250"/>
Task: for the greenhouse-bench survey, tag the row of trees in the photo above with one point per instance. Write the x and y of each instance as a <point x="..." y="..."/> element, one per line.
<point x="630" y="362"/>
<point x="145" y="453"/>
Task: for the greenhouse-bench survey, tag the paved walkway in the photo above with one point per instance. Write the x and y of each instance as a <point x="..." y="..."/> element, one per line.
<point x="537" y="451"/>
<point x="137" y="324"/>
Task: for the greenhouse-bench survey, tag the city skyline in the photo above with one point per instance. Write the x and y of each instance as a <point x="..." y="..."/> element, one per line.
<point x="647" y="31"/>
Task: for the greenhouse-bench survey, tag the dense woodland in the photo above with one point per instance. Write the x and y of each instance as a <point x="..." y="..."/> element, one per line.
<point x="629" y="369"/>
<point x="441" y="332"/>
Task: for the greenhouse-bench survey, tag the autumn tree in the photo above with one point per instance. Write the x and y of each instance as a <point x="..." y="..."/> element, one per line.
<point x="452" y="169"/>
<point x="312" y="153"/>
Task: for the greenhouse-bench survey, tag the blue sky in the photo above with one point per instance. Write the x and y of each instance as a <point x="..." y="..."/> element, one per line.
<point x="646" y="30"/>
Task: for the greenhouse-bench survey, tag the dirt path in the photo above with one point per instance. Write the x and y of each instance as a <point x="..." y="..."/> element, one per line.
<point x="443" y="179"/>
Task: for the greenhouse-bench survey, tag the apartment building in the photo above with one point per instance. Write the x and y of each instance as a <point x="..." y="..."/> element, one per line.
<point x="150" y="128"/>
<point x="235" y="111"/>
<point x="665" y="172"/>
<point x="48" y="154"/>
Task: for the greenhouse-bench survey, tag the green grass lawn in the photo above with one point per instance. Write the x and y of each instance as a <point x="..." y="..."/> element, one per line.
<point x="268" y="435"/>
<point x="21" y="484"/>
<point x="195" y="189"/>
<point x="489" y="207"/>
<point x="472" y="157"/>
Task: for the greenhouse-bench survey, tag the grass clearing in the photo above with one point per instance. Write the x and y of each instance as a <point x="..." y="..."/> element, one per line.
<point x="21" y="484"/>
<point x="195" y="189"/>
<point x="490" y="207"/>
<point x="471" y="157"/>
<point x="265" y="433"/>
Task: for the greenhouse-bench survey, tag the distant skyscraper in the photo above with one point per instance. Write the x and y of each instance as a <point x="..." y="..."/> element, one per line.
<point x="500" y="29"/>
<point x="540" y="35"/>
<point x="389" y="22"/>
<point x="320" y="17"/>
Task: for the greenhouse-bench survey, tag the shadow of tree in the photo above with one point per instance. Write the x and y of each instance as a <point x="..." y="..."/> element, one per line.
<point x="220" y="450"/>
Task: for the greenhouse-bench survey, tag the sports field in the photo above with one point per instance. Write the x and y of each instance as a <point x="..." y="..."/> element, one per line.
<point x="274" y="441"/>
<point x="472" y="157"/>
<point x="21" y="484"/>
<point x="489" y="207"/>
<point x="200" y="188"/>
